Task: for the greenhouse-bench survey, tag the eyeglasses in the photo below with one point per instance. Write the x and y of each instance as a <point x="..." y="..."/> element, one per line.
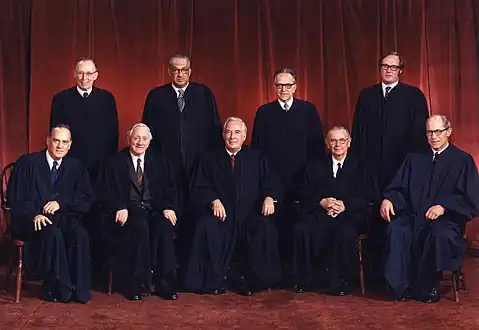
<point x="285" y="86"/>
<point x="85" y="74"/>
<point x="178" y="71"/>
<point x="137" y="139"/>
<point x="393" y="68"/>
<point x="62" y="142"/>
<point x="337" y="141"/>
<point x="436" y="132"/>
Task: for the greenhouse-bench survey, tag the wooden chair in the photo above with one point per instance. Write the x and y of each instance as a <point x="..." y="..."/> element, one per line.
<point x="362" y="284"/>
<point x="11" y="242"/>
<point x="458" y="278"/>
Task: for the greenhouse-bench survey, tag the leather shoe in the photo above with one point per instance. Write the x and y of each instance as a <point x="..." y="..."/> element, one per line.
<point x="134" y="297"/>
<point x="341" y="289"/>
<point x="165" y="291"/>
<point x="244" y="287"/>
<point x="49" y="296"/>
<point x="298" y="288"/>
<point x="431" y="297"/>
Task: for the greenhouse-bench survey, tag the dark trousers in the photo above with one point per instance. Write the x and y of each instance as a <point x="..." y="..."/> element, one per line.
<point x="316" y="234"/>
<point x="214" y="243"/>
<point x="416" y="253"/>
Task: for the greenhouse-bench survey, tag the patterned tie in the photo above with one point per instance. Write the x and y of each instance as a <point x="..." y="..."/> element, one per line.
<point x="434" y="158"/>
<point x="286" y="107"/>
<point x="386" y="94"/>
<point x="139" y="172"/>
<point x="233" y="161"/>
<point x="54" y="172"/>
<point x="338" y="171"/>
<point x="181" y="100"/>
<point x="85" y="95"/>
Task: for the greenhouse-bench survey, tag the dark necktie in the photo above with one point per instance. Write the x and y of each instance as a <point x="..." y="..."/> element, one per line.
<point x="286" y="107"/>
<point x="85" y="95"/>
<point x="434" y="158"/>
<point x="338" y="171"/>
<point x="181" y="100"/>
<point x="233" y="161"/>
<point x="386" y="94"/>
<point x="54" y="172"/>
<point x="139" y="172"/>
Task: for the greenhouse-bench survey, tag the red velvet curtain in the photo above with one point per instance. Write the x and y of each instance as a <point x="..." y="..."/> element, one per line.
<point x="235" y="46"/>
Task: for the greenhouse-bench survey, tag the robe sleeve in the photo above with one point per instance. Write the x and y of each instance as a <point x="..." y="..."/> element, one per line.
<point x="112" y="198"/>
<point x="112" y="147"/>
<point x="270" y="185"/>
<point x="363" y="193"/>
<point x="465" y="199"/>
<point x="420" y="113"/>
<point x="259" y="129"/>
<point x="215" y="136"/>
<point x="397" y="191"/>
<point x="316" y="147"/>
<point x="203" y="192"/>
<point x="358" y="138"/>
<point x="78" y="201"/>
<point x="55" y="112"/>
<point x="310" y="192"/>
<point x="169" y="196"/>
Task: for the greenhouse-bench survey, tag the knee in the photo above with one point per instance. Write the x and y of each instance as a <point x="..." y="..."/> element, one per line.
<point x="208" y="224"/>
<point x="50" y="232"/>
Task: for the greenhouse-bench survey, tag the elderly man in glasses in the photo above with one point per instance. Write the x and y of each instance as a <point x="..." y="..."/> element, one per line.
<point x="426" y="205"/>
<point x="334" y="205"/>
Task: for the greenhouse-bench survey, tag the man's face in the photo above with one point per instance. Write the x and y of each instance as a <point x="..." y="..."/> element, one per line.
<point x="390" y="70"/>
<point x="285" y="86"/>
<point x="437" y="136"/>
<point x="338" y="142"/>
<point x="139" y="141"/>
<point x="85" y="74"/>
<point x="58" y="143"/>
<point x="234" y="136"/>
<point x="180" y="71"/>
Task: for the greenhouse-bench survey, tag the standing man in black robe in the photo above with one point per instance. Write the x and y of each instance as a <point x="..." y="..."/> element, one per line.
<point x="48" y="194"/>
<point x="335" y="209"/>
<point x="86" y="109"/>
<point x="91" y="114"/>
<point x="427" y="204"/>
<point x="388" y="124"/>
<point x="184" y="120"/>
<point x="234" y="192"/>
<point x="140" y="202"/>
<point x="290" y="133"/>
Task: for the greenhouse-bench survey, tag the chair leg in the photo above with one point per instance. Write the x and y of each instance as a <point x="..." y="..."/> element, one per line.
<point x="18" y="287"/>
<point x="10" y="269"/>
<point x="361" y="268"/>
<point x="110" y="281"/>
<point x="455" y="287"/>
<point x="462" y="279"/>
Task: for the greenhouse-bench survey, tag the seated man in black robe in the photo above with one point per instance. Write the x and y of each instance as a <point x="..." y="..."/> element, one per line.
<point x="234" y="192"/>
<point x="140" y="199"/>
<point x="48" y="194"/>
<point x="427" y="204"/>
<point x="334" y="210"/>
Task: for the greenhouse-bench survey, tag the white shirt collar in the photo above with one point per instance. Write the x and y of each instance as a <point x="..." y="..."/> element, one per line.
<point x="134" y="159"/>
<point x="230" y="153"/>
<point x="289" y="103"/>
<point x="383" y="85"/>
<point x="177" y="88"/>
<point x="440" y="151"/>
<point x="81" y="91"/>
<point x="335" y="161"/>
<point x="50" y="161"/>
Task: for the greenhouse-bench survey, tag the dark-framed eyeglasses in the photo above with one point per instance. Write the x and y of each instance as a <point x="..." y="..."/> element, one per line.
<point x="393" y="68"/>
<point x="285" y="86"/>
<point x="178" y="71"/>
<point x="341" y="141"/>
<point x="85" y="74"/>
<point x="436" y="132"/>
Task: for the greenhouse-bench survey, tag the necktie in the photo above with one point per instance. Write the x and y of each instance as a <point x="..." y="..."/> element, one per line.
<point x="54" y="172"/>
<point x="181" y="100"/>
<point x="233" y="161"/>
<point x="386" y="93"/>
<point x="434" y="158"/>
<point x="139" y="172"/>
<point x="85" y="95"/>
<point x="338" y="171"/>
<point x="286" y="107"/>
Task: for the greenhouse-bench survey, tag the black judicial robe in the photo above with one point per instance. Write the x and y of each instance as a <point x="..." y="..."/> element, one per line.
<point x="93" y="123"/>
<point x="183" y="136"/>
<point x="147" y="236"/>
<point x="453" y="183"/>
<point x="385" y="132"/>
<point x="357" y="188"/>
<point x="59" y="252"/>
<point x="289" y="138"/>
<point x="242" y="193"/>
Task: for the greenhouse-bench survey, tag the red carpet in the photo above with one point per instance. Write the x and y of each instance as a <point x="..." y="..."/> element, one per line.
<point x="268" y="310"/>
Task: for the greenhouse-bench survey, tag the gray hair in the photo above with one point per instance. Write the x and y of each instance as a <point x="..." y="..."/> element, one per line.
<point x="130" y="131"/>
<point x="445" y="122"/>
<point x="85" y="59"/>
<point x="338" y="128"/>
<point x="179" y="57"/>
<point x="285" y="70"/>
<point x="401" y="59"/>
<point x="234" y="119"/>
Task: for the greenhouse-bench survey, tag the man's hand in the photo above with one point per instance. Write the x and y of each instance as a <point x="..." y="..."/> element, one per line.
<point x="51" y="207"/>
<point x="39" y="221"/>
<point x="386" y="210"/>
<point x="435" y="212"/>
<point x="121" y="216"/>
<point x="268" y="207"/>
<point x="170" y="215"/>
<point x="218" y="209"/>
<point x="327" y="202"/>
<point x="336" y="207"/>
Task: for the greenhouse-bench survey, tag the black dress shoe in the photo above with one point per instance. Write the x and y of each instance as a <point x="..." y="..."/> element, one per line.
<point x="134" y="297"/>
<point x="245" y="287"/>
<point x="341" y="289"/>
<point x="298" y="288"/>
<point x="165" y="291"/>
<point x="49" y="296"/>
<point x="431" y="297"/>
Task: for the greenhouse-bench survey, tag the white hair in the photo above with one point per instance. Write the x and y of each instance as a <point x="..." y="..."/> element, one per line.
<point x="234" y="119"/>
<point x="130" y="131"/>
